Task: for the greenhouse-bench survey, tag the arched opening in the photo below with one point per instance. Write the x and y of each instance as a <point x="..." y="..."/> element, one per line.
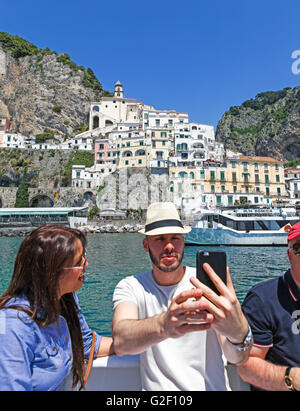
<point x="95" y="108"/>
<point x="95" y="122"/>
<point x="88" y="195"/>
<point x="182" y="174"/>
<point x="199" y="154"/>
<point x="41" y="201"/>
<point x="140" y="153"/>
<point x="108" y="123"/>
<point x="127" y="154"/>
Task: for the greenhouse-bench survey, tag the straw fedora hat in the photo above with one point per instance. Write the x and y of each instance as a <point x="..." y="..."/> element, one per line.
<point x="163" y="218"/>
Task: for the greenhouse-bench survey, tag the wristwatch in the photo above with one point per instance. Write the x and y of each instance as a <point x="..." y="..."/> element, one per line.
<point x="244" y="345"/>
<point x="288" y="381"/>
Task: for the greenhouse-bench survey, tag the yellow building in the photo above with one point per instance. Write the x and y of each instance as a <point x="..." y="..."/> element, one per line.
<point x="244" y="179"/>
<point x="160" y="147"/>
<point x="133" y="151"/>
<point x="259" y="176"/>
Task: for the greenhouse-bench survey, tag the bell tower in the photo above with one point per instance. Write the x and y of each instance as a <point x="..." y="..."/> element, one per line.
<point x="118" y="90"/>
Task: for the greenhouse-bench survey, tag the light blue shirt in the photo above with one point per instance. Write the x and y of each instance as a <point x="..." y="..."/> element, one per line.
<point x="34" y="358"/>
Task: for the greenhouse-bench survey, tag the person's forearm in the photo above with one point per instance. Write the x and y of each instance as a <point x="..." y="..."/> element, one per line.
<point x="232" y="354"/>
<point x="135" y="336"/>
<point x="263" y="374"/>
<point x="106" y="347"/>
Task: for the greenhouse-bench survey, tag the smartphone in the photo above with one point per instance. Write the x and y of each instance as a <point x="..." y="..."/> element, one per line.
<point x="217" y="261"/>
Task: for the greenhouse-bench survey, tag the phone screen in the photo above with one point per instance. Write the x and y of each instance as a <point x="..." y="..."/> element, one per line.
<point x="217" y="261"/>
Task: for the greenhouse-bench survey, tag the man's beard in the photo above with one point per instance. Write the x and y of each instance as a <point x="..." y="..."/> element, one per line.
<point x="165" y="269"/>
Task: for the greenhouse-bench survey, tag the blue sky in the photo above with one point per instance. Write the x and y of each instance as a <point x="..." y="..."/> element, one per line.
<point x="194" y="56"/>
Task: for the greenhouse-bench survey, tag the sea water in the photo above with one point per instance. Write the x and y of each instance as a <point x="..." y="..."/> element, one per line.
<point x="112" y="257"/>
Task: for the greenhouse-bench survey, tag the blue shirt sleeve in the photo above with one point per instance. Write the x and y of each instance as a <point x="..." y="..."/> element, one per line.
<point x="87" y="333"/>
<point x="255" y="309"/>
<point x="16" y="352"/>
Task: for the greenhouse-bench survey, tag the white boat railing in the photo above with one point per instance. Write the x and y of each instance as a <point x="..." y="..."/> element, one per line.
<point x="115" y="373"/>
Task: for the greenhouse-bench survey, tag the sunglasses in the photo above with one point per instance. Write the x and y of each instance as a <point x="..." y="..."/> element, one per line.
<point x="296" y="248"/>
<point x="78" y="267"/>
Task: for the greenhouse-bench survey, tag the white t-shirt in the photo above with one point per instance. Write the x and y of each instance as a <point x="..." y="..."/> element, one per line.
<point x="193" y="362"/>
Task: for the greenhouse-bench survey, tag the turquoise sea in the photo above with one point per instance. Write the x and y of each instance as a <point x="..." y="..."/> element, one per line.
<point x="114" y="256"/>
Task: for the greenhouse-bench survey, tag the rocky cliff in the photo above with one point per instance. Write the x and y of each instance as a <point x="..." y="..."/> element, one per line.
<point x="268" y="125"/>
<point x="42" y="90"/>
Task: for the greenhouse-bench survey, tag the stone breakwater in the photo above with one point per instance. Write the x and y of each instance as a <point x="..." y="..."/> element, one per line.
<point x="110" y="228"/>
<point x="87" y="229"/>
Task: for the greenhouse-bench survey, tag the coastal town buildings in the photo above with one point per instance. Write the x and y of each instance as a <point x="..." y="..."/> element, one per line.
<point x="200" y="172"/>
<point x="125" y="133"/>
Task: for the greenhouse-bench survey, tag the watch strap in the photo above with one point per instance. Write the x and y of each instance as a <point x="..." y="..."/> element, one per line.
<point x="244" y="345"/>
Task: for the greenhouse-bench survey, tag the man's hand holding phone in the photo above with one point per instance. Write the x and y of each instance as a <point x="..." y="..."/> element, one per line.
<point x="229" y="319"/>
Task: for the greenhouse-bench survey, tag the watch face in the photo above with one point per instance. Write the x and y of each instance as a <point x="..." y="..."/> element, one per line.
<point x="288" y="382"/>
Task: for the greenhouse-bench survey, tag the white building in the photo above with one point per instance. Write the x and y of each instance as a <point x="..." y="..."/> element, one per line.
<point x="292" y="182"/>
<point x="116" y="109"/>
<point x="16" y="141"/>
<point x="195" y="143"/>
<point x="92" y="177"/>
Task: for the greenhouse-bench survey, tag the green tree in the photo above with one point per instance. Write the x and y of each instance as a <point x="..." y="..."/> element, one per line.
<point x="22" y="195"/>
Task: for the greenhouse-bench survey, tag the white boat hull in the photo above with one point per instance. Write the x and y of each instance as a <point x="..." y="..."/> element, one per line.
<point x="227" y="236"/>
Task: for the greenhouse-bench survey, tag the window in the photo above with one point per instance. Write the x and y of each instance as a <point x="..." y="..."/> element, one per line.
<point x="267" y="179"/>
<point x="212" y="175"/>
<point x="257" y="178"/>
<point x="234" y="177"/>
<point x="245" y="166"/>
<point x="277" y="178"/>
<point x="222" y="176"/>
<point x="212" y="189"/>
<point x="246" y="177"/>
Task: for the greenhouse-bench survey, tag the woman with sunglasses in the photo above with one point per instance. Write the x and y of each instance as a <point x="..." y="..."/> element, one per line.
<point x="43" y="335"/>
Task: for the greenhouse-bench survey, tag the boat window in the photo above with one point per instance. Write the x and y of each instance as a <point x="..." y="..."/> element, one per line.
<point x="258" y="226"/>
<point x="245" y="225"/>
<point x="272" y="225"/>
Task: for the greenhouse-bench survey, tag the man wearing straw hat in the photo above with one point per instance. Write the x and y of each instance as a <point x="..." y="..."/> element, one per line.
<point x="162" y="314"/>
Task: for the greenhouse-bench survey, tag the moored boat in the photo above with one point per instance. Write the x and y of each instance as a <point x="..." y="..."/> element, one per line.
<point x="251" y="226"/>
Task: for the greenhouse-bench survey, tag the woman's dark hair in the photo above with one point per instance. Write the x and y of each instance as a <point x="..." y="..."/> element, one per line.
<point x="37" y="270"/>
